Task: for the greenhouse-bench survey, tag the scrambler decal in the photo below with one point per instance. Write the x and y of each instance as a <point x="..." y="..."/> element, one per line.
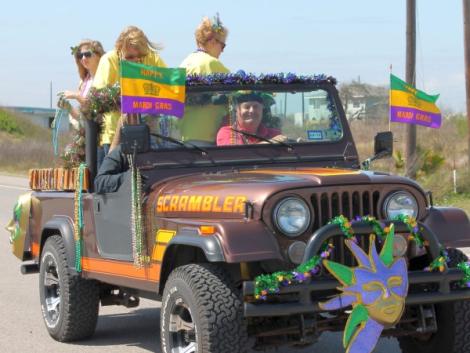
<point x="201" y="203"/>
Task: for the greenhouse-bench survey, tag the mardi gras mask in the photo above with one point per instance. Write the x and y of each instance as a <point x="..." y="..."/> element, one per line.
<point x="376" y="289"/>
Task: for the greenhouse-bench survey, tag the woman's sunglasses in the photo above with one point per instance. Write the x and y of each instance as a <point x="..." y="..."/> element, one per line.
<point x="86" y="54"/>
<point x="222" y="44"/>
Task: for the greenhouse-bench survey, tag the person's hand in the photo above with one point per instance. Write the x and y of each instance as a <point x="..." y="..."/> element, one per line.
<point x="63" y="103"/>
<point x="279" y="138"/>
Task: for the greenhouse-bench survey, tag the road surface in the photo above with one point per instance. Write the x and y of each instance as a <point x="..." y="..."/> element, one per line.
<point x="119" y="329"/>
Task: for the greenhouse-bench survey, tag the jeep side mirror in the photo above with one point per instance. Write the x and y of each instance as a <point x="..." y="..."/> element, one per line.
<point x="383" y="146"/>
<point x="135" y="139"/>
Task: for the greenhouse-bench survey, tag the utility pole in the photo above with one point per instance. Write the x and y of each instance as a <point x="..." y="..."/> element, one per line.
<point x="411" y="158"/>
<point x="466" y="28"/>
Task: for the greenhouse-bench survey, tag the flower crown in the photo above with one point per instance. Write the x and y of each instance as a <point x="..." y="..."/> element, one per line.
<point x="217" y="24"/>
<point x="74" y="50"/>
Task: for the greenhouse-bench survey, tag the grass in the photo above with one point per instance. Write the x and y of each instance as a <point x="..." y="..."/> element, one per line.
<point x="448" y="142"/>
<point x="24" y="145"/>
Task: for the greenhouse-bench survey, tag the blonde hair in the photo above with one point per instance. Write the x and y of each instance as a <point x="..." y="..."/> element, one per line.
<point x="209" y="29"/>
<point x="97" y="49"/>
<point x="133" y="36"/>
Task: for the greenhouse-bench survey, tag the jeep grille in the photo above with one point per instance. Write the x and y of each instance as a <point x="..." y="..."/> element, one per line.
<point x="350" y="204"/>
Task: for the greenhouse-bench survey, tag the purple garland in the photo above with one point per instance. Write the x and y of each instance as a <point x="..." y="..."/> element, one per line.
<point x="243" y="78"/>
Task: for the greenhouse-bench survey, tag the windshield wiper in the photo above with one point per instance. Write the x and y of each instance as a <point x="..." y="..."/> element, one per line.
<point x="181" y="143"/>
<point x="288" y="145"/>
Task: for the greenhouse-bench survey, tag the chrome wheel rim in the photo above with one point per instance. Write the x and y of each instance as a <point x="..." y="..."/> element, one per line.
<point x="182" y="329"/>
<point x="51" y="290"/>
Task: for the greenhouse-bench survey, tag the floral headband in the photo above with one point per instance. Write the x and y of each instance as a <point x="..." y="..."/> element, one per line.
<point x="74" y="50"/>
<point x="217" y="24"/>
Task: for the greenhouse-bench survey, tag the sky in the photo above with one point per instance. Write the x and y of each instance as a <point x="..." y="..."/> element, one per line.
<point x="349" y="40"/>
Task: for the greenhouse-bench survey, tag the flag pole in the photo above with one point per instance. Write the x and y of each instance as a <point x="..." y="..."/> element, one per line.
<point x="390" y="101"/>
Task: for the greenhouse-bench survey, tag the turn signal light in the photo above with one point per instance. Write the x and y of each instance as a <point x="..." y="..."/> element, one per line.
<point x="206" y="230"/>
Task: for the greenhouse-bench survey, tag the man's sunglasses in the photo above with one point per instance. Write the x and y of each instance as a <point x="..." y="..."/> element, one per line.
<point x="86" y="54"/>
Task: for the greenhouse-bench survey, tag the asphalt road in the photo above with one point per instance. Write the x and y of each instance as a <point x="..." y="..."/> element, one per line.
<point x="119" y="329"/>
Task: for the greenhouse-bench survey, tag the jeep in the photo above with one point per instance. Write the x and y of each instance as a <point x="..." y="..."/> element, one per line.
<point x="216" y="217"/>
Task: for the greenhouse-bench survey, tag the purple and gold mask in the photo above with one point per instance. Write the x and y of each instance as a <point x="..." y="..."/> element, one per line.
<point x="376" y="289"/>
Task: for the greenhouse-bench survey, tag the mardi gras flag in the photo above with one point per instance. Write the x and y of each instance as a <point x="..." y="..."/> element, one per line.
<point x="412" y="106"/>
<point x="152" y="90"/>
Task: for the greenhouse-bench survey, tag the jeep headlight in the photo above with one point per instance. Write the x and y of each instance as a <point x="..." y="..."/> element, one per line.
<point x="400" y="202"/>
<point x="292" y="216"/>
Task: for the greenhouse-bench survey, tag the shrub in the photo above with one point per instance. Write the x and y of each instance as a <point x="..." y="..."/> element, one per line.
<point x="9" y="124"/>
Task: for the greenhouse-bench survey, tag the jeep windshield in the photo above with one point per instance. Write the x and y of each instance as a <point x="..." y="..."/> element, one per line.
<point x="223" y="118"/>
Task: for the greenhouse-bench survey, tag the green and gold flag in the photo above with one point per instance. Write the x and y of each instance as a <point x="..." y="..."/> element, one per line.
<point x="412" y="106"/>
<point x="152" y="90"/>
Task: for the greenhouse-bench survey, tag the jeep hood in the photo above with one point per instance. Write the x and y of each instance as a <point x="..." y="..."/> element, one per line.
<point x="227" y="192"/>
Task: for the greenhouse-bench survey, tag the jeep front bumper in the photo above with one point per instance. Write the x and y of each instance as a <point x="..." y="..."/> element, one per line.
<point x="304" y="298"/>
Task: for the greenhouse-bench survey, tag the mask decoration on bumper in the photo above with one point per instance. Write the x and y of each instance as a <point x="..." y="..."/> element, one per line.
<point x="376" y="289"/>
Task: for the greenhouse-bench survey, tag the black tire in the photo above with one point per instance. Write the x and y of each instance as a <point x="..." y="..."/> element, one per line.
<point x="69" y="303"/>
<point x="201" y="312"/>
<point x="453" y="324"/>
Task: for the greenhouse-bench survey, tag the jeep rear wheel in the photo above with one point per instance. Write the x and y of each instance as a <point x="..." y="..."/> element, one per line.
<point x="69" y="303"/>
<point x="453" y="321"/>
<point x="201" y="312"/>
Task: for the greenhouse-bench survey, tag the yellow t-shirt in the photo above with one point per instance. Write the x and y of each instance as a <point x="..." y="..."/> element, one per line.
<point x="107" y="74"/>
<point x="202" y="122"/>
<point x="201" y="63"/>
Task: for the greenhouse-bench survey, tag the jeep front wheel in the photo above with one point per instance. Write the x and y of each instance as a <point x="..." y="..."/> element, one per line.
<point x="453" y="324"/>
<point x="69" y="303"/>
<point x="201" y="312"/>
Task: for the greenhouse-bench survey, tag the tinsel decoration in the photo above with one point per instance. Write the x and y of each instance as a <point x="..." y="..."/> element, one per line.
<point x="74" y="153"/>
<point x="136" y="214"/>
<point x="108" y="99"/>
<point x="78" y="217"/>
<point x="412" y="228"/>
<point x="243" y="78"/>
<point x="100" y="101"/>
<point x="268" y="284"/>
<point x="465" y="268"/>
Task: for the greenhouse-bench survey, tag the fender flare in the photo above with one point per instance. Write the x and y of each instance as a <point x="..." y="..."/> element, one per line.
<point x="65" y="227"/>
<point x="450" y="225"/>
<point x="210" y="245"/>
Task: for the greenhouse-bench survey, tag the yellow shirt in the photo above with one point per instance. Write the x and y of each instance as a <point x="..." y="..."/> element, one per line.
<point x="202" y="122"/>
<point x="201" y="63"/>
<point x="107" y="74"/>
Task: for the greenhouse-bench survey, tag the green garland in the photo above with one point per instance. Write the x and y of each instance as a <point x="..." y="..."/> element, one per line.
<point x="271" y="283"/>
<point x="138" y="245"/>
<point x="100" y="101"/>
<point x="78" y="217"/>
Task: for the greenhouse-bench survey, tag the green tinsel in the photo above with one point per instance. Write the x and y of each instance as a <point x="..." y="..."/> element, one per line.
<point x="465" y="268"/>
<point x="344" y="224"/>
<point x="270" y="283"/>
<point x="413" y="228"/>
